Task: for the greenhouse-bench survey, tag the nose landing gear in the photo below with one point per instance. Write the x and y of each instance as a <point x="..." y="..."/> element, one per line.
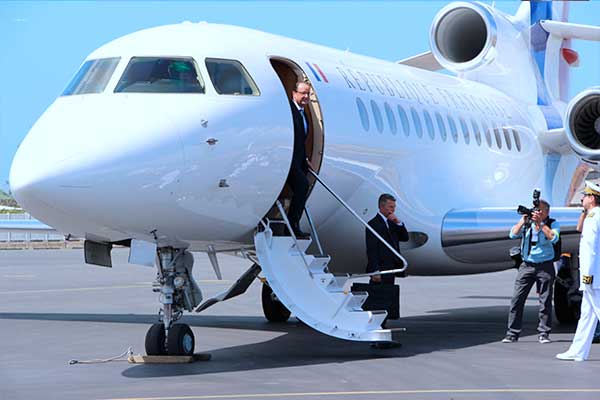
<point x="178" y="292"/>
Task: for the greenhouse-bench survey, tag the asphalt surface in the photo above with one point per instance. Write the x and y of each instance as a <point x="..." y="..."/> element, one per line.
<point x="55" y="308"/>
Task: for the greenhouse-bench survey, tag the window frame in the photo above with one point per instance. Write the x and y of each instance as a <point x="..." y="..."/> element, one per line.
<point x="363" y="114"/>
<point x="190" y="59"/>
<point x="91" y="62"/>
<point x="377" y="117"/>
<point x="249" y="79"/>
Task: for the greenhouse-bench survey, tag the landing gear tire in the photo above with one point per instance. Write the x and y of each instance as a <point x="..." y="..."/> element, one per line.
<point x="274" y="310"/>
<point x="181" y="340"/>
<point x="155" y="340"/>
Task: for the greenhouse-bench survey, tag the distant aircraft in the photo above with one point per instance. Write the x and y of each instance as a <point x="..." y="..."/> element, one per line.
<point x="180" y="138"/>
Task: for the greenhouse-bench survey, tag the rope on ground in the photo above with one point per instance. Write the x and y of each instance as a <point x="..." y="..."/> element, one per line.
<point x="121" y="357"/>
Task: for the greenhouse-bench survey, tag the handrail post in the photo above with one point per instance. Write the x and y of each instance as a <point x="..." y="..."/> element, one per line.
<point x="293" y="235"/>
<point x="347" y="207"/>
<point x="314" y="231"/>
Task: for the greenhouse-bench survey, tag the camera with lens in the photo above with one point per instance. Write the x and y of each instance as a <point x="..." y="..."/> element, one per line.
<point x="536" y="205"/>
<point x="515" y="252"/>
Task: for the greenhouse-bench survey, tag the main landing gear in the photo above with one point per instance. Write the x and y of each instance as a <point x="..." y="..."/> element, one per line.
<point x="273" y="309"/>
<point x="178" y="292"/>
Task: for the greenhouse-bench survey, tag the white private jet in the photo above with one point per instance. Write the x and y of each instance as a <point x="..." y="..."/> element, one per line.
<point x="180" y="138"/>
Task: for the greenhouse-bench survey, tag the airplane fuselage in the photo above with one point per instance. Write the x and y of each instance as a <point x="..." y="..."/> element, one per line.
<point x="199" y="169"/>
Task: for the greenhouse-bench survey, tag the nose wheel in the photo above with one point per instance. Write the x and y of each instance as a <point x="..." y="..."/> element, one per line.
<point x="179" y="341"/>
<point x="156" y="340"/>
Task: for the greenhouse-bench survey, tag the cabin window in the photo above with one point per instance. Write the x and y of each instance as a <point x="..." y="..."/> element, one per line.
<point x="92" y="77"/>
<point x="160" y="75"/>
<point x="377" y="116"/>
<point x="517" y="139"/>
<point x="441" y="126"/>
<point x="429" y="125"/>
<point x="465" y="130"/>
<point x="507" y="138"/>
<point x="476" y="132"/>
<point x="230" y="77"/>
<point x="404" y="120"/>
<point x="417" y="121"/>
<point x="391" y="119"/>
<point x="362" y="112"/>
<point x="453" y="130"/>
<point x="498" y="138"/>
<point x="488" y="135"/>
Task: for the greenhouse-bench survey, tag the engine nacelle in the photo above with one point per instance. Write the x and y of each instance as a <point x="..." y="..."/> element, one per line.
<point x="486" y="45"/>
<point x="582" y="124"/>
<point x="465" y="36"/>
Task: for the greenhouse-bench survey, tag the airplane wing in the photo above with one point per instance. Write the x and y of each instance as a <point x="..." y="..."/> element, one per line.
<point x="423" y="61"/>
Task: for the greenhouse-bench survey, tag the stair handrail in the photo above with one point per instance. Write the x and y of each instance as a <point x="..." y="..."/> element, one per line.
<point x="314" y="231"/>
<point x="292" y="234"/>
<point x="347" y="207"/>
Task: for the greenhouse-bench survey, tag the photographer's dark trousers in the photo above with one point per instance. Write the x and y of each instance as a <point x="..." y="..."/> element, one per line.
<point x="529" y="273"/>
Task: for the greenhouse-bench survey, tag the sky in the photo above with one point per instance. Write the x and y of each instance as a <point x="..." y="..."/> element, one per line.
<point x="43" y="43"/>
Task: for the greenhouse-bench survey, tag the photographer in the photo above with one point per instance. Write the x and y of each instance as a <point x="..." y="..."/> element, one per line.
<point x="538" y="233"/>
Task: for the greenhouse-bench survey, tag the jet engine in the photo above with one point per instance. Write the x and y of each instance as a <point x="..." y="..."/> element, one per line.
<point x="582" y="124"/>
<point x="466" y="36"/>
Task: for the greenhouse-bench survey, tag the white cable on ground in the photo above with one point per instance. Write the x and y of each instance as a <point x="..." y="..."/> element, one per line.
<point x="126" y="354"/>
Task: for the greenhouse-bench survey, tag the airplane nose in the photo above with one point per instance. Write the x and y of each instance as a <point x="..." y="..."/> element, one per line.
<point x="82" y="154"/>
<point x="39" y="158"/>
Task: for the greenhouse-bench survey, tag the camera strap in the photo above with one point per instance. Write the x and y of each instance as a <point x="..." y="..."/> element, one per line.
<point x="528" y="228"/>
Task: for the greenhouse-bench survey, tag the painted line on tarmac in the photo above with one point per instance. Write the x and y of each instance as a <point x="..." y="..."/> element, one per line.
<point x="72" y="289"/>
<point x="88" y="289"/>
<point x="361" y="393"/>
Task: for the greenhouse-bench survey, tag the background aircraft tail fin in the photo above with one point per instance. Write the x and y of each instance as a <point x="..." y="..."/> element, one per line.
<point x="553" y="56"/>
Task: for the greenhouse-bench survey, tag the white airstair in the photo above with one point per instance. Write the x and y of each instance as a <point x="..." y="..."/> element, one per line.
<point x="303" y="284"/>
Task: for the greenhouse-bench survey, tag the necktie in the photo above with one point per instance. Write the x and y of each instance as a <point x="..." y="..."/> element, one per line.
<point x="304" y="121"/>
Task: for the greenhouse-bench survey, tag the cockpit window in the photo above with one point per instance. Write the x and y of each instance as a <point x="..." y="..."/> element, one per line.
<point x="161" y="75"/>
<point x="230" y="77"/>
<point x="92" y="77"/>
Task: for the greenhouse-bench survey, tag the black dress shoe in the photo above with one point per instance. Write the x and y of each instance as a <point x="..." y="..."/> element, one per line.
<point x="301" y="235"/>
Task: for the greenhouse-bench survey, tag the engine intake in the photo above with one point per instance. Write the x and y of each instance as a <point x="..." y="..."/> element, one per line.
<point x="463" y="35"/>
<point x="582" y="124"/>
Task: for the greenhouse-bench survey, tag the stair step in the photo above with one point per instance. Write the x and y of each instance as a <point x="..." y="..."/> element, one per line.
<point x="302" y="245"/>
<point x="337" y="284"/>
<point x="356" y="301"/>
<point x="323" y="280"/>
<point x="315" y="296"/>
<point x="319" y="264"/>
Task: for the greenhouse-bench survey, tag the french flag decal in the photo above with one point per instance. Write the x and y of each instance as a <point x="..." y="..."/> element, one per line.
<point x="317" y="72"/>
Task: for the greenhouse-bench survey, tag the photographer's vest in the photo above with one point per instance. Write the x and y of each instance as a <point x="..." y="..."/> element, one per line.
<point x="532" y="239"/>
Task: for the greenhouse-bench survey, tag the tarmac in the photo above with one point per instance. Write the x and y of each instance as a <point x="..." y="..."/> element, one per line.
<point x="55" y="308"/>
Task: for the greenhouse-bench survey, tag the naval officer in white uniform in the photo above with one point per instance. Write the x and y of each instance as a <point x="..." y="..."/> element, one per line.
<point x="589" y="273"/>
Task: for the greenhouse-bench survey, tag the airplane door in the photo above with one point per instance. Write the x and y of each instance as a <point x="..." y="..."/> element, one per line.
<point x="289" y="73"/>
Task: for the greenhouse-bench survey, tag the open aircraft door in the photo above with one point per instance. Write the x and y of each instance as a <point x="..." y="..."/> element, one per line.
<point x="289" y="73"/>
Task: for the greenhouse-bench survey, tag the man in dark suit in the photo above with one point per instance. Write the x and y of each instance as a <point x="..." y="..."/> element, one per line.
<point x="390" y="228"/>
<point x="299" y="169"/>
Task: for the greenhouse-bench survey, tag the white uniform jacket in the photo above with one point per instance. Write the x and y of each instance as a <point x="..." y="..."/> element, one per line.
<point x="589" y="249"/>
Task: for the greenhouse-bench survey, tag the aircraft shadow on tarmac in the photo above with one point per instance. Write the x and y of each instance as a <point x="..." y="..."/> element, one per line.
<point x="440" y="330"/>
